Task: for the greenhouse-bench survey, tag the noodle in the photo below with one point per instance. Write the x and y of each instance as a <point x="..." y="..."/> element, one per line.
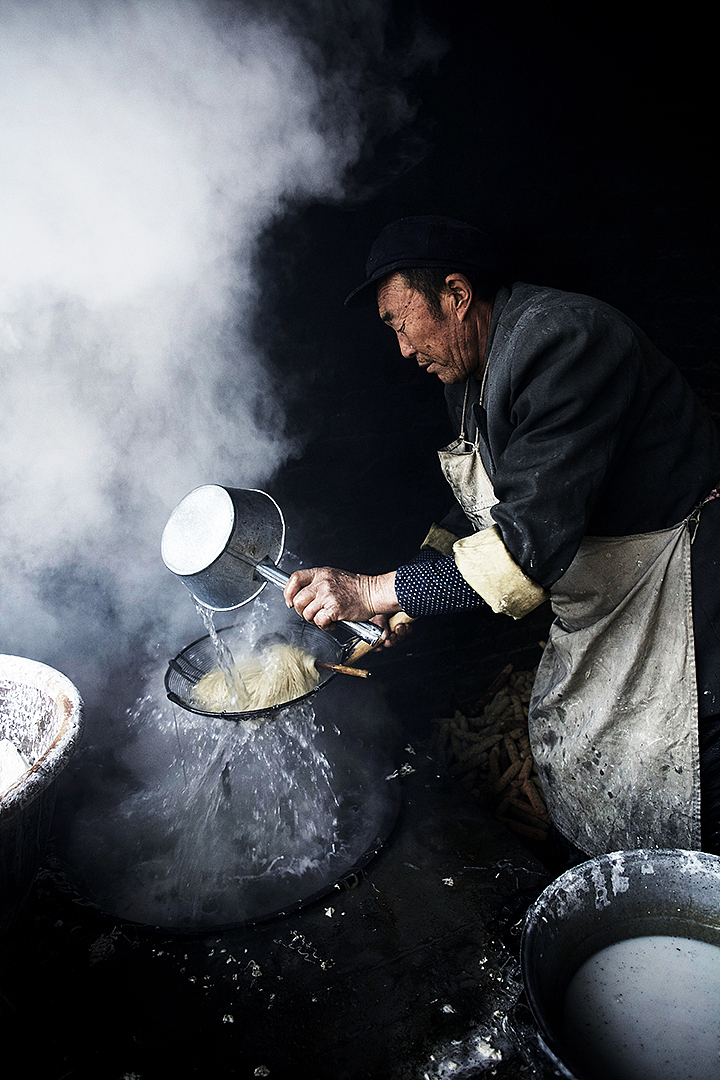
<point x="280" y="673"/>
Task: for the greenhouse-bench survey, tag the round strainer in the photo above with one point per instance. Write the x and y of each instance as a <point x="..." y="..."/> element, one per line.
<point x="200" y="657"/>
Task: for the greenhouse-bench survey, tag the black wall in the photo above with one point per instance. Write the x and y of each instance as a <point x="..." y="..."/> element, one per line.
<point x="582" y="137"/>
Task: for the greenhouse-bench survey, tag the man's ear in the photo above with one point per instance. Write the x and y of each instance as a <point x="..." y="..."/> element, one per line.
<point x="461" y="294"/>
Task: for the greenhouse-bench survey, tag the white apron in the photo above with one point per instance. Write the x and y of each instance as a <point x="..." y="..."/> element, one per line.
<point x="464" y="471"/>
<point x="613" y="715"/>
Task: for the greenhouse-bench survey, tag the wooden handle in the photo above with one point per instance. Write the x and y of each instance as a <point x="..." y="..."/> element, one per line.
<point x="362" y="648"/>
<point x="342" y="669"/>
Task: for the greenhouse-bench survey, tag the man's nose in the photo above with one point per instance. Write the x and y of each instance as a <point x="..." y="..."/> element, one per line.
<point x="407" y="350"/>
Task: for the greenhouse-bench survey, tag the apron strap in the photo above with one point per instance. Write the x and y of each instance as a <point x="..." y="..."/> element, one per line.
<point x="481" y="400"/>
<point x="694" y="518"/>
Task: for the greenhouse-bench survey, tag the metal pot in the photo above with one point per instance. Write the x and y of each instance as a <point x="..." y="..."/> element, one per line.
<point x="223" y="544"/>
<point x="214" y="538"/>
<point x="609" y="899"/>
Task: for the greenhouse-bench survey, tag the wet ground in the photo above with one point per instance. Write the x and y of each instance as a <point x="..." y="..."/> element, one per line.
<point x="408" y="969"/>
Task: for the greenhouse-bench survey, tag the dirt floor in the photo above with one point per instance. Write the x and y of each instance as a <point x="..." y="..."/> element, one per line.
<point x="409" y="968"/>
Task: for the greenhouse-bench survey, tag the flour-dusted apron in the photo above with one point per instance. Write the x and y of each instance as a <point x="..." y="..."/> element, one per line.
<point x="464" y="471"/>
<point x="613" y="715"/>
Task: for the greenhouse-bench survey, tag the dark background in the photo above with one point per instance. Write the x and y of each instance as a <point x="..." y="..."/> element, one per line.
<point x="581" y="136"/>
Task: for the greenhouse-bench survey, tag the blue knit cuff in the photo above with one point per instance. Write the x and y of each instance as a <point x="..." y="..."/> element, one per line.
<point x="432" y="584"/>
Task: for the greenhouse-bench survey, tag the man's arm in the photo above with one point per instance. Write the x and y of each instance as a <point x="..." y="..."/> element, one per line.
<point x="324" y="595"/>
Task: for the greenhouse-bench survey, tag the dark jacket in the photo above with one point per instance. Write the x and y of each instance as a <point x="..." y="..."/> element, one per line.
<point x="587" y="429"/>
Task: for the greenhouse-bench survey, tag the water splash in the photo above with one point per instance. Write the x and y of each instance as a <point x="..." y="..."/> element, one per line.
<point x="225" y="658"/>
<point x="223" y="822"/>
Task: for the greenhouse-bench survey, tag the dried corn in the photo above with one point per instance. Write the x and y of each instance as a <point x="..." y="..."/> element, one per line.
<point x="488" y="749"/>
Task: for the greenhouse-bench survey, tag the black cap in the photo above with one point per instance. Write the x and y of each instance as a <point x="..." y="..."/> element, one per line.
<point x="424" y="241"/>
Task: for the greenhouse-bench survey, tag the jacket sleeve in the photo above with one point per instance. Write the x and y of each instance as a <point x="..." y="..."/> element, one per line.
<point x="432" y="584"/>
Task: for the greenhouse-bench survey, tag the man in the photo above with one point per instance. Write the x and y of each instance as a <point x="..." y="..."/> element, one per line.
<point x="587" y="472"/>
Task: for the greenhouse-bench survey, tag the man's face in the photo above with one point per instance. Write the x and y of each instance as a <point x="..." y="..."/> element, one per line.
<point x="437" y="344"/>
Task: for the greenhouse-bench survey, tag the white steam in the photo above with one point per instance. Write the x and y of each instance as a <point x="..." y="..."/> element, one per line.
<point x="144" y="147"/>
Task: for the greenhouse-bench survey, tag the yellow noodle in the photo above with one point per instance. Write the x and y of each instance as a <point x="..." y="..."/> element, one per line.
<point x="279" y="674"/>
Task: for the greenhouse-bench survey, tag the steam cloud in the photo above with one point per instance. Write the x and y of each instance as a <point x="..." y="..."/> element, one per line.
<point x="144" y="148"/>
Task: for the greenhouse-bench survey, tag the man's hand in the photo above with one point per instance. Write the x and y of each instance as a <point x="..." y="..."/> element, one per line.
<point x="325" y="595"/>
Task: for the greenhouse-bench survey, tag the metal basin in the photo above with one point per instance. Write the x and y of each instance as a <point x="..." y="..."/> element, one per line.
<point x="41" y="714"/>
<point x="610" y="899"/>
